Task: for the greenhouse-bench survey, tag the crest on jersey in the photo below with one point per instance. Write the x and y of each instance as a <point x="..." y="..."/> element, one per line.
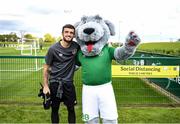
<point x="74" y="51"/>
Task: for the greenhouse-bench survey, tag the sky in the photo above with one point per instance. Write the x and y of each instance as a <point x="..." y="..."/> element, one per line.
<point x="152" y="20"/>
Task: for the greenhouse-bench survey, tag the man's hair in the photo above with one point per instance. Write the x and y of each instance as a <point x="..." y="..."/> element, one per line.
<point x="68" y="26"/>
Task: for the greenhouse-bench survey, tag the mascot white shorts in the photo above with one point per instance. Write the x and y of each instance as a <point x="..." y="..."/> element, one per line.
<point x="99" y="99"/>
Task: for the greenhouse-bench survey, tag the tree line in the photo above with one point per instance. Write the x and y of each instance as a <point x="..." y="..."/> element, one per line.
<point x="13" y="37"/>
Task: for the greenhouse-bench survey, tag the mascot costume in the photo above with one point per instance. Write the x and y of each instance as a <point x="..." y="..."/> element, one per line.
<point x="95" y="58"/>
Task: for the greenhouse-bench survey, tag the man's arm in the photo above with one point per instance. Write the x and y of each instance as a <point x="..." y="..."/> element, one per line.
<point x="45" y="79"/>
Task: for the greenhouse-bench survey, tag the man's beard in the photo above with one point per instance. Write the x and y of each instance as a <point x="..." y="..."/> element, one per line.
<point x="67" y="41"/>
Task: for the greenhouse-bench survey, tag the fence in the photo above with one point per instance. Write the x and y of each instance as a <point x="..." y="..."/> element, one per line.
<point x="20" y="77"/>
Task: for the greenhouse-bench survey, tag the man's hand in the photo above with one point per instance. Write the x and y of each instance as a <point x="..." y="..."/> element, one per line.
<point x="46" y="89"/>
<point x="44" y="92"/>
<point x="132" y="40"/>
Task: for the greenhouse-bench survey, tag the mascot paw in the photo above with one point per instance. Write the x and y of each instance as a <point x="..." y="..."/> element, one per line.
<point x="132" y="39"/>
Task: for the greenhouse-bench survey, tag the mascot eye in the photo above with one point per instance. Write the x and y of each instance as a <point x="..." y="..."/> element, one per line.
<point x="98" y="21"/>
<point x="84" y="21"/>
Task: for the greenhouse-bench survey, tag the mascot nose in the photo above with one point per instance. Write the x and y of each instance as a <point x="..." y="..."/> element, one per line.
<point x="88" y="31"/>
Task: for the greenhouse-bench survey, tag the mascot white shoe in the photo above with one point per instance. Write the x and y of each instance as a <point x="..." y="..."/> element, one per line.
<point x="95" y="58"/>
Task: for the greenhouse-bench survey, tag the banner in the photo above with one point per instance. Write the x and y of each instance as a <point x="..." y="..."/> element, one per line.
<point x="145" y="71"/>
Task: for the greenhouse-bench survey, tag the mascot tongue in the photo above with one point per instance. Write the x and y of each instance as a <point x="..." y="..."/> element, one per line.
<point x="89" y="46"/>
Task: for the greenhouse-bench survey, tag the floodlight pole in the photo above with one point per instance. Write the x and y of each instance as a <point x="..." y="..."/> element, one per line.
<point x="119" y="32"/>
<point x="22" y="32"/>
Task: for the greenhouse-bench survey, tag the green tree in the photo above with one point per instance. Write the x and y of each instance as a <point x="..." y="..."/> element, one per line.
<point x="12" y="37"/>
<point x="59" y="38"/>
<point x="49" y="38"/>
<point x="29" y="36"/>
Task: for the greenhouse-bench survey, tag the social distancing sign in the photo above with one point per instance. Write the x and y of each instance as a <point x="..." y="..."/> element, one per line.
<point x="145" y="71"/>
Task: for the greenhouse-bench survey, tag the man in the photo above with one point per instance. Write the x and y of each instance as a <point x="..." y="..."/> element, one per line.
<point x="59" y="71"/>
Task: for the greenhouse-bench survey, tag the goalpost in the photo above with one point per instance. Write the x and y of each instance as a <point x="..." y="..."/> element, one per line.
<point x="29" y="47"/>
<point x="26" y="49"/>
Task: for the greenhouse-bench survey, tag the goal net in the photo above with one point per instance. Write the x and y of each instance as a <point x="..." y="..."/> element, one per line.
<point x="28" y="47"/>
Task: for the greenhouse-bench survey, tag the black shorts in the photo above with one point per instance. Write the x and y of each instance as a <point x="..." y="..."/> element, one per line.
<point x="68" y="96"/>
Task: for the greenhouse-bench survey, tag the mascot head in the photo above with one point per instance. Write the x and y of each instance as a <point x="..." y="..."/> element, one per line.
<point x="92" y="34"/>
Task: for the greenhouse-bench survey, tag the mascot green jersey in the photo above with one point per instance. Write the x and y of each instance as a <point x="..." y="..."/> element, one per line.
<point x="98" y="73"/>
<point x="95" y="58"/>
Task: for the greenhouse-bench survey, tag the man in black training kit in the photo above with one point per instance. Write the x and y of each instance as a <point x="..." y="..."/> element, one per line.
<point x="58" y="74"/>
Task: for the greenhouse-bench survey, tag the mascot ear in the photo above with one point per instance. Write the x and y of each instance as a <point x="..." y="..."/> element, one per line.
<point x="98" y="17"/>
<point x="83" y="19"/>
<point x="111" y="27"/>
<point x="76" y="24"/>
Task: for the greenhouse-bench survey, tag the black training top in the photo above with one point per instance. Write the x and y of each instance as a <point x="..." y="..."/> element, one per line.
<point x="62" y="61"/>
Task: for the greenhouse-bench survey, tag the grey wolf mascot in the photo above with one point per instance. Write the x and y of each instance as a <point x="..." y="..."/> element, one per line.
<point x="95" y="58"/>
